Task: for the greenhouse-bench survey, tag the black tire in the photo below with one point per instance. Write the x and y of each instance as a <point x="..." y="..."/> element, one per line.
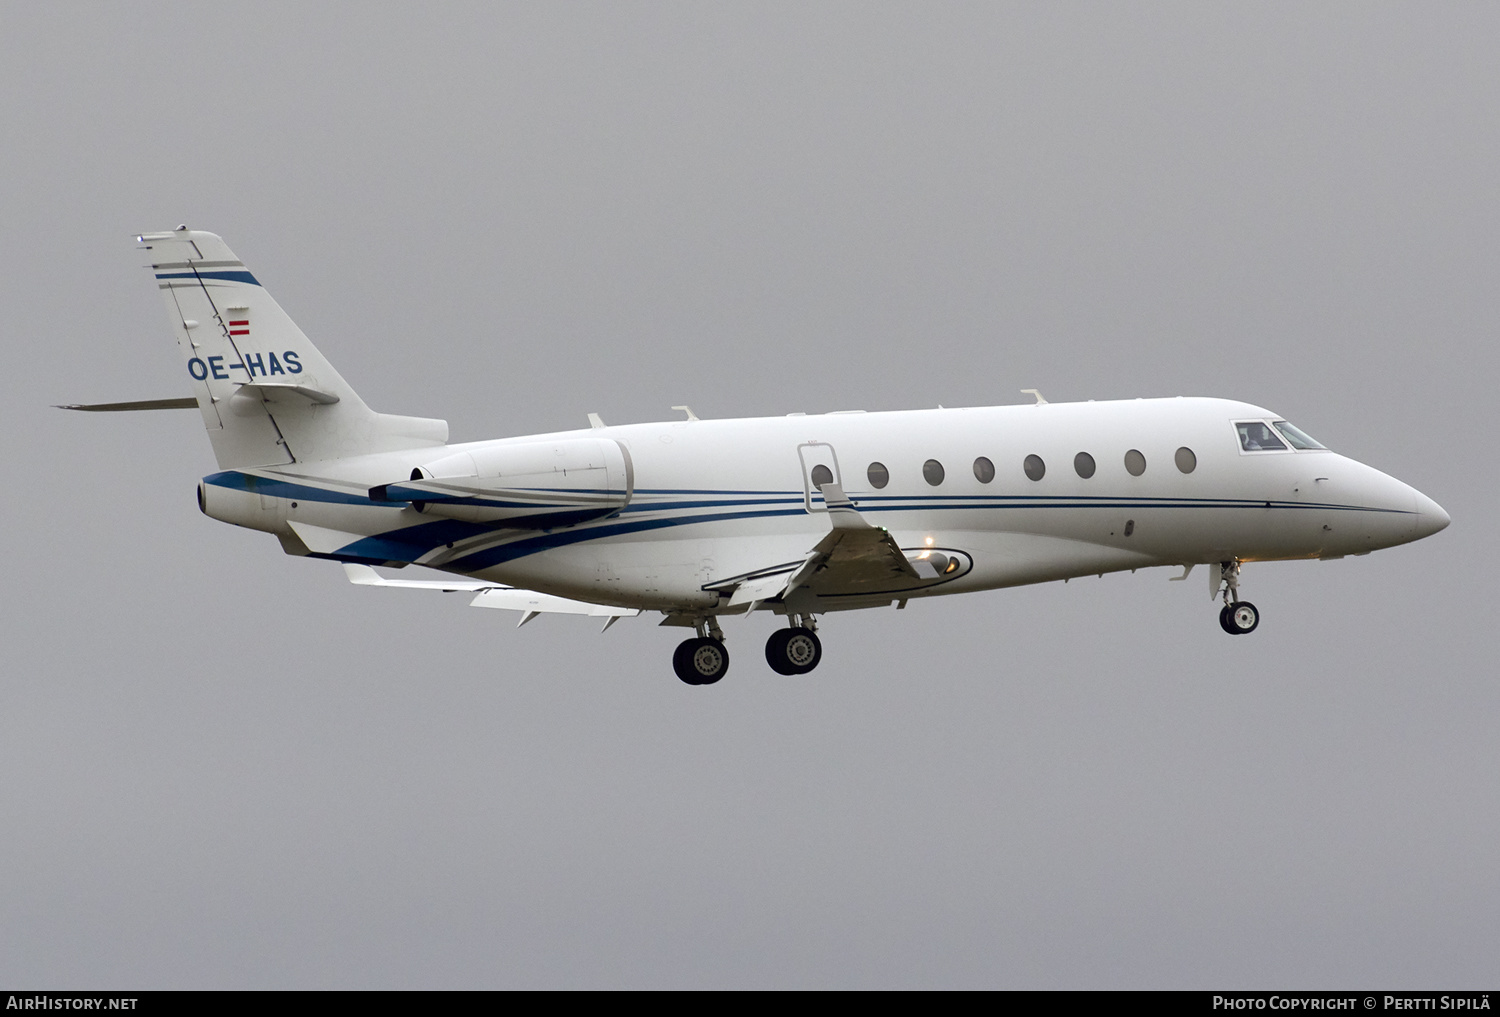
<point x="1241" y="618"/>
<point x="776" y="652"/>
<point x="803" y="650"/>
<point x="1224" y="621"/>
<point x="682" y="661"/>
<point x="700" y="661"/>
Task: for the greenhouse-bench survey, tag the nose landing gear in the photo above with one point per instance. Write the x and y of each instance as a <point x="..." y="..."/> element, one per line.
<point x="1237" y="617"/>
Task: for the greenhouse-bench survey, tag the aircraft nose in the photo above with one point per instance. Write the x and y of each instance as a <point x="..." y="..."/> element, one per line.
<point x="1430" y="516"/>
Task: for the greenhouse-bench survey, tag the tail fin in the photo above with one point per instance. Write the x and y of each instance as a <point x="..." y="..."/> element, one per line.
<point x="266" y="394"/>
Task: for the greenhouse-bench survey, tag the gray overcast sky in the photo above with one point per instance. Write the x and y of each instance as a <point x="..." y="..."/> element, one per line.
<point x="220" y="766"/>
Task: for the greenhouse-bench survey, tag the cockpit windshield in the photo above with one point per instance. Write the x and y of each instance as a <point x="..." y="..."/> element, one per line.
<point x="1257" y="436"/>
<point x="1272" y="436"/>
<point x="1297" y="439"/>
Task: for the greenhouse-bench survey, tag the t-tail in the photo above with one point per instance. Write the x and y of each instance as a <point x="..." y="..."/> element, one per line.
<point x="267" y="395"/>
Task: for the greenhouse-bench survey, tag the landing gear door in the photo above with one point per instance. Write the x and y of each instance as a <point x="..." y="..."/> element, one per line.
<point x="819" y="466"/>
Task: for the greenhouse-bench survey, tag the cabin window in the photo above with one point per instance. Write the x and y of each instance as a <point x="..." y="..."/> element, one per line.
<point x="1135" y="463"/>
<point x="1296" y="438"/>
<point x="879" y="475"/>
<point x="1035" y="468"/>
<point x="1083" y="464"/>
<point x="1257" y="436"/>
<point x="821" y="475"/>
<point x="1186" y="461"/>
<point x="984" y="470"/>
<point x="932" y="472"/>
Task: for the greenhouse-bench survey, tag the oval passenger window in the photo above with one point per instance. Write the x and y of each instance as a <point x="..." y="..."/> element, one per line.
<point x="1035" y="468"/>
<point x="932" y="472"/>
<point x="1135" y="463"/>
<point x="1083" y="463"/>
<point x="821" y="475"/>
<point x="879" y="475"/>
<point x="1186" y="461"/>
<point x="984" y="470"/>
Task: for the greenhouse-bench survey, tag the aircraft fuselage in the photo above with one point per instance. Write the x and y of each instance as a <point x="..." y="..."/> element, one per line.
<point x="710" y="501"/>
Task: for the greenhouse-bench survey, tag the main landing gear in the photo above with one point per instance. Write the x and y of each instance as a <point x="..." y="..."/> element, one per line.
<point x="796" y="650"/>
<point x="703" y="660"/>
<point x="1237" y="617"/>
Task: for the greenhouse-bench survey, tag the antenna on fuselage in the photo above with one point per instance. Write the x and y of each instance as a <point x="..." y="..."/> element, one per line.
<point x="1033" y="392"/>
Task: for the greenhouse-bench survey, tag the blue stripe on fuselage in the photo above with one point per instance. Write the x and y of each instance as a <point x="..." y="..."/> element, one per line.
<point x="234" y="480"/>
<point x="544" y="542"/>
<point x="412" y="542"/>
<point x="547" y="541"/>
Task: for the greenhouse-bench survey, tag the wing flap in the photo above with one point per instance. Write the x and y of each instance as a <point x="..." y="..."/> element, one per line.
<point x="753" y="591"/>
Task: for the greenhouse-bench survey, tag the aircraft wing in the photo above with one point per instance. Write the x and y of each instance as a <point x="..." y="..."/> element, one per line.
<point x="855" y="557"/>
<point x="495" y="595"/>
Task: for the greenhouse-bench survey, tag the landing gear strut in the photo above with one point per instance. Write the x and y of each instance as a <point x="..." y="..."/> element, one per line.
<point x="702" y="660"/>
<point x="795" y="650"/>
<point x="1237" y="617"/>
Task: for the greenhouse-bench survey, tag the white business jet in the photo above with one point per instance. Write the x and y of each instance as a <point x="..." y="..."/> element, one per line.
<point x="799" y="515"/>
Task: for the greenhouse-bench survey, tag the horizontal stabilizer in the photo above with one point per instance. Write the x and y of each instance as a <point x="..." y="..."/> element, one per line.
<point x="495" y="595"/>
<point x="185" y="403"/>
<point x="364" y="575"/>
<point x="509" y="599"/>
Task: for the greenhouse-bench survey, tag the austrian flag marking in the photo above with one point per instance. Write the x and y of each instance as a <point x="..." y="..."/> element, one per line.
<point x="239" y="326"/>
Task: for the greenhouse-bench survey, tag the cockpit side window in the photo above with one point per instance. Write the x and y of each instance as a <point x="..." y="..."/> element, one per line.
<point x="1257" y="436"/>
<point x="1295" y="438"/>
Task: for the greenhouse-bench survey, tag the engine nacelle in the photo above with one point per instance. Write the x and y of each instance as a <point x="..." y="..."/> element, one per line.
<point x="242" y="506"/>
<point x="531" y="485"/>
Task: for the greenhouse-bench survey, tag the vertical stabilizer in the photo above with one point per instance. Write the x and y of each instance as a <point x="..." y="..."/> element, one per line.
<point x="266" y="394"/>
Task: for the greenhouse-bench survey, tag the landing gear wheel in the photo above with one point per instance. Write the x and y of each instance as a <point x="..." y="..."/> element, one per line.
<point x="1224" y="620"/>
<point x="793" y="651"/>
<point x="700" y="661"/>
<point x="776" y="652"/>
<point x="1241" y="618"/>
